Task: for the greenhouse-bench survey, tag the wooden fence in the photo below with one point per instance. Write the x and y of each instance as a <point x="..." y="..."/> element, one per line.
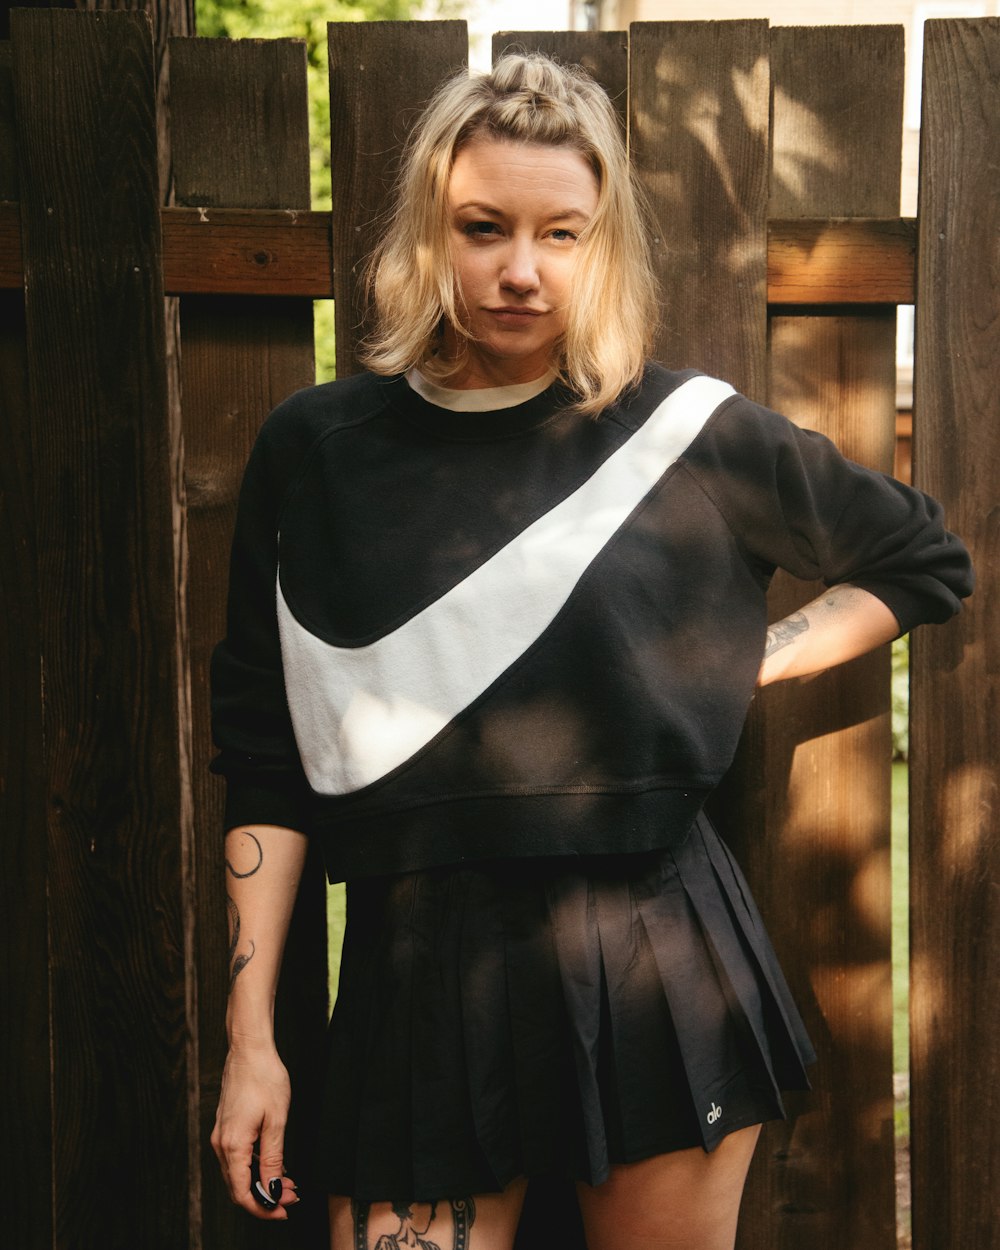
<point x="772" y="161"/>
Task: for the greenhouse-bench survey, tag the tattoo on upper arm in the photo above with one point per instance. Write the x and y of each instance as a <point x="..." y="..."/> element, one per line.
<point x="260" y="858"/>
<point x="415" y="1221"/>
<point x="783" y="632"/>
<point x="236" y="962"/>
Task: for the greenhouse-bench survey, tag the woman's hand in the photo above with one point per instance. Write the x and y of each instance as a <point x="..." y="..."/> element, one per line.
<point x="250" y="1121"/>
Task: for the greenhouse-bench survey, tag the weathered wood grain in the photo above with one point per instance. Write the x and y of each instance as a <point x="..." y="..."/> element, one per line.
<point x="858" y="260"/>
<point x="240" y="122"/>
<point x="24" y="973"/>
<point x="25" y="1102"/>
<point x="11" y="262"/>
<point x="818" y="827"/>
<point x="106" y="513"/>
<point x="247" y="95"/>
<point x="699" y="134"/>
<point x="955" y="764"/>
<point x="8" y="137"/>
<point x="602" y="53"/>
<point x="219" y="251"/>
<point x="394" y="67"/>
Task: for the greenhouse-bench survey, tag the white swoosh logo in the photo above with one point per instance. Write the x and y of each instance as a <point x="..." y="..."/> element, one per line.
<point x="360" y="712"/>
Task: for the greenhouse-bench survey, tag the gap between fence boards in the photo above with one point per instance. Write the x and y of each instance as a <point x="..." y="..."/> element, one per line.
<point x="219" y="251"/>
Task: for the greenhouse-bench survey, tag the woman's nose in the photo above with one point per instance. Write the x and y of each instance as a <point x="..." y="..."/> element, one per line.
<point x="520" y="270"/>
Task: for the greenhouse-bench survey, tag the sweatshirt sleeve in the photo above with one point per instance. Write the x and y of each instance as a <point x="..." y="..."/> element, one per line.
<point x="794" y="502"/>
<point x="251" y="725"/>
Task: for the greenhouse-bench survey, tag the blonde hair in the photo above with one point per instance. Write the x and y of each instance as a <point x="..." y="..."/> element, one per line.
<point x="613" y="309"/>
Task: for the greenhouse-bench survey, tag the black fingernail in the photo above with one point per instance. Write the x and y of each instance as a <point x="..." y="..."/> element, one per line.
<point x="274" y="1187"/>
<point x="261" y="1195"/>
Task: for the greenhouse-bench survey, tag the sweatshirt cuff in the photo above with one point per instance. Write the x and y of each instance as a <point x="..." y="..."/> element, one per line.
<point x="250" y="803"/>
<point x="912" y="605"/>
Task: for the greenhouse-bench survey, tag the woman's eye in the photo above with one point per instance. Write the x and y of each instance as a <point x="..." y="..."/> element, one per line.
<point x="481" y="229"/>
<point x="564" y="234"/>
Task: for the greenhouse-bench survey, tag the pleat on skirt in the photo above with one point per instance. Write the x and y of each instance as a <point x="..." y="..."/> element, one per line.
<point x="551" y="1018"/>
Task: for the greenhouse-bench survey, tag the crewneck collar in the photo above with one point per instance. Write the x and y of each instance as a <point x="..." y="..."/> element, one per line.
<point x="477" y="415"/>
<point x="481" y="399"/>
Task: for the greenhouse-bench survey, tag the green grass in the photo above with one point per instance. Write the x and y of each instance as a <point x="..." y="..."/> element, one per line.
<point x="900" y="920"/>
<point x="901" y="993"/>
<point x="336" y="914"/>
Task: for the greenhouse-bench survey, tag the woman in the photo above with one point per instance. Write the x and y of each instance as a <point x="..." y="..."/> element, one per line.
<point x="497" y="612"/>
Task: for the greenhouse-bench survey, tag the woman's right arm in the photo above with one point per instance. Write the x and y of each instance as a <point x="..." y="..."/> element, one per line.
<point x="263" y="868"/>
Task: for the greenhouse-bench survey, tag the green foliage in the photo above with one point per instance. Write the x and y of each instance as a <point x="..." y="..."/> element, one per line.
<point x="901" y="698"/>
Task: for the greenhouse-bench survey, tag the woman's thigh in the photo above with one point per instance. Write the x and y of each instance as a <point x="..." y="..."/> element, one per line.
<point x="485" y="1222"/>
<point x="686" y="1200"/>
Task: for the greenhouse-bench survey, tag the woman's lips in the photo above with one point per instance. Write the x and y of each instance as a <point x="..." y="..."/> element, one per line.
<point x="515" y="316"/>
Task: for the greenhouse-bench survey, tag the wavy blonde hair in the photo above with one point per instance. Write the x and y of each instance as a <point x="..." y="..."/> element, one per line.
<point x="411" y="281"/>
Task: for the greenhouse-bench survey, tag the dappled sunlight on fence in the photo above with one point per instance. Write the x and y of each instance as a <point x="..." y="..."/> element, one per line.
<point x="800" y="143"/>
<point x="969" y="805"/>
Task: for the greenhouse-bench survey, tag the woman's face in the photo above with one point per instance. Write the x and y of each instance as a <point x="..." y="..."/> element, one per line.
<point x="515" y="212"/>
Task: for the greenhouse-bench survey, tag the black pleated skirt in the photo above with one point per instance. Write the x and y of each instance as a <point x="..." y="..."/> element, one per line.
<point x="551" y="1018"/>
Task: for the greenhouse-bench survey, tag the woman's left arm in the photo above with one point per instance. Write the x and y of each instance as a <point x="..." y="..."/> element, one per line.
<point x="843" y="623"/>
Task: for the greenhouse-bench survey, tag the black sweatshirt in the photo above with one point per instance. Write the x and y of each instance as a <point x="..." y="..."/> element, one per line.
<point x="527" y="631"/>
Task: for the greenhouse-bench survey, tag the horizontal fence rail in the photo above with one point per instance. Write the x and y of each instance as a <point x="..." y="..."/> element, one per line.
<point x="231" y="251"/>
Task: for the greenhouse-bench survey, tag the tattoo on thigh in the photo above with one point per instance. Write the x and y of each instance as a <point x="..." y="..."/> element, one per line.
<point x="415" y="1220"/>
<point x="463" y="1215"/>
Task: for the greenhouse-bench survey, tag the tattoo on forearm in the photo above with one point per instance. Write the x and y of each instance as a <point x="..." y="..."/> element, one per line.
<point x="416" y="1220"/>
<point x="239" y="963"/>
<point x="783" y="632"/>
<point x="260" y="858"/>
<point x="236" y="962"/>
<point x="234" y="927"/>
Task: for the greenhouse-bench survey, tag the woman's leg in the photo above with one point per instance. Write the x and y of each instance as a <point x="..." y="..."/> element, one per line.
<point x="486" y="1222"/>
<point x="687" y="1200"/>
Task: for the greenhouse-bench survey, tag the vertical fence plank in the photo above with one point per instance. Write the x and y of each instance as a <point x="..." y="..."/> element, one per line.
<point x="602" y="53"/>
<point x="241" y="140"/>
<point x="699" y="137"/>
<point x="551" y="1215"/>
<point x="394" y="68"/>
<point x="955" y="766"/>
<point x="106" y="516"/>
<point x="8" y="137"/>
<point x="25" y="1104"/>
<point x="819" y="829"/>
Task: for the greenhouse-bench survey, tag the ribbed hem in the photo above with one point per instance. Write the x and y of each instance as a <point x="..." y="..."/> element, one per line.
<point x="511" y="826"/>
